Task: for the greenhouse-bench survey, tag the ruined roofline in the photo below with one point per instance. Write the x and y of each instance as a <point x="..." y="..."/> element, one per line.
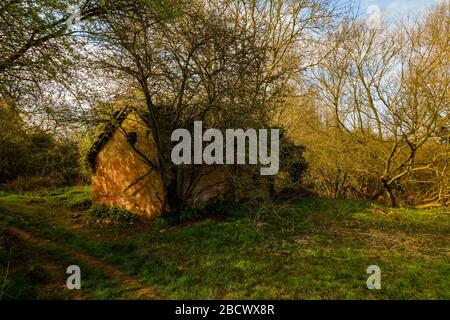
<point x="107" y="132"/>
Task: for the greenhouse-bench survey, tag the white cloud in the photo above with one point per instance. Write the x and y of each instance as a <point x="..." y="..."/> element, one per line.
<point x="401" y="9"/>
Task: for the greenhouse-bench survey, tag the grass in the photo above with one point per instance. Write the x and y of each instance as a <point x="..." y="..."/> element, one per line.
<point x="299" y="249"/>
<point x="112" y="214"/>
<point x="78" y="197"/>
<point x="29" y="278"/>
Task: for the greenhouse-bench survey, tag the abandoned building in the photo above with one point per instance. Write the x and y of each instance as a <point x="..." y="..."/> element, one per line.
<point x="121" y="178"/>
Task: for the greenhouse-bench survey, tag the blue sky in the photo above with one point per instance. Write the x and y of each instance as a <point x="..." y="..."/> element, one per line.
<point x="399" y="8"/>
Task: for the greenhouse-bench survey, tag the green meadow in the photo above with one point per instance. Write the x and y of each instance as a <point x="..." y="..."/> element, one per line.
<point x="298" y="249"/>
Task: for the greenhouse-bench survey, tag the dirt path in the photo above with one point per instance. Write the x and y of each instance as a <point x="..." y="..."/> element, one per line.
<point x="136" y="287"/>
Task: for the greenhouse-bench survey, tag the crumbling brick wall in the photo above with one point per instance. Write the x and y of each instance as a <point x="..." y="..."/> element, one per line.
<point x="117" y="166"/>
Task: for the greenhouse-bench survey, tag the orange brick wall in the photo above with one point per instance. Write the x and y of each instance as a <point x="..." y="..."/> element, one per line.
<point x="117" y="166"/>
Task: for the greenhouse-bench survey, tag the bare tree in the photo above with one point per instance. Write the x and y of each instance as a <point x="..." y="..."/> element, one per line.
<point x="227" y="63"/>
<point x="387" y="90"/>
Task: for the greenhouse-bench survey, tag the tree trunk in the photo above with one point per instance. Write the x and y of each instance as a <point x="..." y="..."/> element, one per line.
<point x="173" y="196"/>
<point x="389" y="191"/>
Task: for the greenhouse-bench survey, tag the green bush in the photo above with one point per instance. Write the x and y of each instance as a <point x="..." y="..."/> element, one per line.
<point x="210" y="210"/>
<point x="112" y="213"/>
<point x="160" y="223"/>
<point x="80" y="204"/>
<point x="22" y="184"/>
<point x="190" y="215"/>
<point x="32" y="158"/>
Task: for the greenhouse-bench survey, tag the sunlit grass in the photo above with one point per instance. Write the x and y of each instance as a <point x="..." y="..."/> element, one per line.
<point x="299" y="249"/>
